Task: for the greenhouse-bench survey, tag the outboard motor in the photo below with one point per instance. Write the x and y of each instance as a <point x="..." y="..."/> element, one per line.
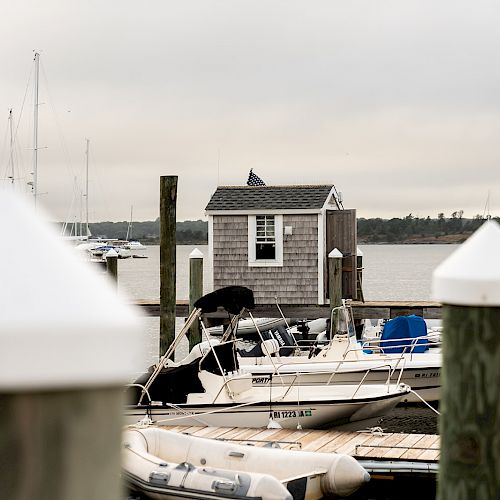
<point x="285" y="339"/>
<point x="281" y="336"/>
<point x="303" y="329"/>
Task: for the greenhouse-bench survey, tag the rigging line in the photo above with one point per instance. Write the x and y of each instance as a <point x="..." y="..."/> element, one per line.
<point x="24" y="101"/>
<point x="486" y="211"/>
<point x="4" y="150"/>
<point x="61" y="137"/>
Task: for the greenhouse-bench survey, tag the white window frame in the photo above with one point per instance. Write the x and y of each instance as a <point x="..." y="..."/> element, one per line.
<point x="252" y="242"/>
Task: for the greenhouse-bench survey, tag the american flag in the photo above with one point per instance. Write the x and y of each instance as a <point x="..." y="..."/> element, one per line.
<point x="254" y="180"/>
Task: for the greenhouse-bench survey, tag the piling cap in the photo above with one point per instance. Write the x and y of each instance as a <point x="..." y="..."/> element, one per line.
<point x="196" y="254"/>
<point x="111" y="253"/>
<point x="470" y="276"/>
<point x="335" y="254"/>
<point x="62" y="325"/>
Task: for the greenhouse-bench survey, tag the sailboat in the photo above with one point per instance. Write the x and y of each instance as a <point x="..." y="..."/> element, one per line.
<point x="136" y="248"/>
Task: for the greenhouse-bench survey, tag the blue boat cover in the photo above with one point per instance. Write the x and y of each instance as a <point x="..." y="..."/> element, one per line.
<point x="408" y="328"/>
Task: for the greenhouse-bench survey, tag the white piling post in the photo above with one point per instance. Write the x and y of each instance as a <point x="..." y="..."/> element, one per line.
<point x="67" y="348"/>
<point x="468" y="285"/>
<point x="334" y="285"/>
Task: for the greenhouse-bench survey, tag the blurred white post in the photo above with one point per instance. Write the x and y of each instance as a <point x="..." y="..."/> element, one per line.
<point x="67" y="347"/>
<point x="468" y="285"/>
<point x="195" y="292"/>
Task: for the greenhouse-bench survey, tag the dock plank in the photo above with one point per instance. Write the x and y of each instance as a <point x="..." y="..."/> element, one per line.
<point x="338" y="439"/>
<point x="406" y="444"/>
<point x="361" y="445"/>
<point x="414" y="453"/>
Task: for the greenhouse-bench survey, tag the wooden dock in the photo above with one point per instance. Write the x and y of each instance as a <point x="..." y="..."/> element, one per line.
<point x="361" y="310"/>
<point x="376" y="451"/>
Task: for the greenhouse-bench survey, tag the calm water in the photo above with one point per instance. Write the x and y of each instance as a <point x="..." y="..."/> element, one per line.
<point x="391" y="272"/>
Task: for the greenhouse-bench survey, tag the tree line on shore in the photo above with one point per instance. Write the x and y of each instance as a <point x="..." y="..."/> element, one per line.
<point x="408" y="229"/>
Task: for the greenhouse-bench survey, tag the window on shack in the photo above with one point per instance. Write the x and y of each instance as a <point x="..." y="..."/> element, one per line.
<point x="265" y="240"/>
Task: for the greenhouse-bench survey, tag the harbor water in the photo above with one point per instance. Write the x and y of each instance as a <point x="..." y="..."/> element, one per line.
<point x="390" y="272"/>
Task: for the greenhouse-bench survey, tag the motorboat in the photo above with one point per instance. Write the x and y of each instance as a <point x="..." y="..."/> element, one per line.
<point x="404" y="352"/>
<point x="164" y="464"/>
<point x="247" y="327"/>
<point x="136" y="249"/>
<point x="102" y="250"/>
<point x="210" y="389"/>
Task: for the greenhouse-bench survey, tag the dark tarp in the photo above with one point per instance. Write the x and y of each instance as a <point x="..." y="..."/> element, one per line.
<point x="173" y="384"/>
<point x="232" y="298"/>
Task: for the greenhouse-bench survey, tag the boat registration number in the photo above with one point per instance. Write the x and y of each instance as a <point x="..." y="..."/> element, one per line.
<point x="427" y="375"/>
<point x="292" y="413"/>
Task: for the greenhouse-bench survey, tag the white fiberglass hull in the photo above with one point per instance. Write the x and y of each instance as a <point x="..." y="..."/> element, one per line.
<point x="248" y="326"/>
<point x="304" y="406"/>
<point x="425" y="381"/>
<point x="422" y="372"/>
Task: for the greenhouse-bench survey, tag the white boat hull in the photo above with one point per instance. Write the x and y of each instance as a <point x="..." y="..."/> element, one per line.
<point x="425" y="381"/>
<point x="312" y="414"/>
<point x="248" y="326"/>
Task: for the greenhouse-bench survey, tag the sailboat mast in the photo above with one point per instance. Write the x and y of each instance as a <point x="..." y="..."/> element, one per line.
<point x="129" y="228"/>
<point x="87" y="189"/>
<point x="35" y="128"/>
<point x="11" y="148"/>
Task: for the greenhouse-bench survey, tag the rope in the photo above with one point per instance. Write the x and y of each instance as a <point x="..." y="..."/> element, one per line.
<point x="425" y="402"/>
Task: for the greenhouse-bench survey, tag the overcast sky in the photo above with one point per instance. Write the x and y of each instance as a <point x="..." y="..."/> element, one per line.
<point x="395" y="102"/>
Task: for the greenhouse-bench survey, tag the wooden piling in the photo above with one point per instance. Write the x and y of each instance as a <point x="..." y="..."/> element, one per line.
<point x="468" y="284"/>
<point x="195" y="292"/>
<point x="359" y="275"/>
<point x="61" y="445"/>
<point x="112" y="265"/>
<point x="168" y="201"/>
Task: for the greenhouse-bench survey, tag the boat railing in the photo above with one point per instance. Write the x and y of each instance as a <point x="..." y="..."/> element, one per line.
<point x="144" y="391"/>
<point x="409" y="348"/>
<point x="390" y="371"/>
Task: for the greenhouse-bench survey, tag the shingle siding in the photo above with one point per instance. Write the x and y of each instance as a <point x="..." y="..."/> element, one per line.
<point x="294" y="283"/>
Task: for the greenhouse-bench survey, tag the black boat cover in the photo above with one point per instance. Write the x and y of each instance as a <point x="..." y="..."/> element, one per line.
<point x="232" y="298"/>
<point x="173" y="384"/>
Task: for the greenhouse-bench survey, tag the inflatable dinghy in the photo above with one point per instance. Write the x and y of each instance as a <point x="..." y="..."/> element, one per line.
<point x="164" y="465"/>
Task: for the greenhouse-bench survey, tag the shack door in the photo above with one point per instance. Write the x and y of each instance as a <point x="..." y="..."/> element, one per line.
<point x="341" y="233"/>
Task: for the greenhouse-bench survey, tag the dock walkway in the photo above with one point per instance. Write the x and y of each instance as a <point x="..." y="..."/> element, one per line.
<point x="376" y="451"/>
<point x="361" y="310"/>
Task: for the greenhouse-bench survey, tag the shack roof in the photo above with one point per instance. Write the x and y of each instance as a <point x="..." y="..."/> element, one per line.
<point x="245" y="198"/>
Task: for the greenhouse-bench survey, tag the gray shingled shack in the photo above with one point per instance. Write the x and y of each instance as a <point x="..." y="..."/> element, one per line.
<point x="276" y="239"/>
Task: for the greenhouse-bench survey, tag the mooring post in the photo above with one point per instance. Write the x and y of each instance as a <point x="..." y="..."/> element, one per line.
<point x="468" y="285"/>
<point x="68" y="348"/>
<point x="168" y="202"/>
<point x="334" y="283"/>
<point x="195" y="292"/>
<point x="359" y="275"/>
<point x="112" y="265"/>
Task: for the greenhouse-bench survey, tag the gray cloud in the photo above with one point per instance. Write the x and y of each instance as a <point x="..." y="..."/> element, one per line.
<point x="397" y="103"/>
